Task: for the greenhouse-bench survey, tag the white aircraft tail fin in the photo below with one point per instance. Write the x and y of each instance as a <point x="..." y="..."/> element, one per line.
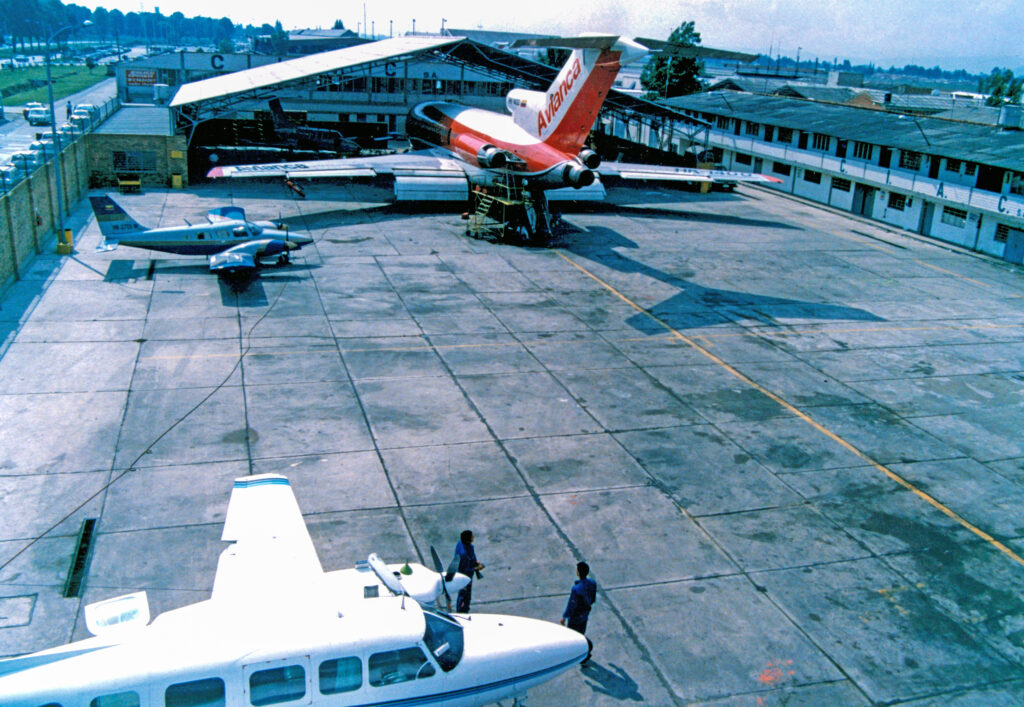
<point x="563" y="115"/>
<point x="113" y="220"/>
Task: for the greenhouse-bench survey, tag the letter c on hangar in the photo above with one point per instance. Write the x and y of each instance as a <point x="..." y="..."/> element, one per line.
<point x="390" y="68"/>
<point x="217" y="61"/>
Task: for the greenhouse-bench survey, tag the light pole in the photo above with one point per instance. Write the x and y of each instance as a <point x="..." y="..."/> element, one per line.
<point x="53" y="130"/>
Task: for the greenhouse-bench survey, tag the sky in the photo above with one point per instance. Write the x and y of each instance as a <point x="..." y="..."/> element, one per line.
<point x="975" y="35"/>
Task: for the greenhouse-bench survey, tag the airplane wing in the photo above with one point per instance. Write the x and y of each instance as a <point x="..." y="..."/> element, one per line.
<point x="232" y="261"/>
<point x="271" y="551"/>
<point x="433" y="161"/>
<point x="226" y="213"/>
<point x="656" y="173"/>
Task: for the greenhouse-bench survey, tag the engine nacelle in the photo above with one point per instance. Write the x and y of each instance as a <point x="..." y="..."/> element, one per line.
<point x="491" y="157"/>
<point x="590" y="158"/>
<point x="577" y="176"/>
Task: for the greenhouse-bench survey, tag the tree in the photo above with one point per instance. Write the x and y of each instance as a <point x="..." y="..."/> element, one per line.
<point x="1002" y="86"/>
<point x="338" y="24"/>
<point x="665" y="75"/>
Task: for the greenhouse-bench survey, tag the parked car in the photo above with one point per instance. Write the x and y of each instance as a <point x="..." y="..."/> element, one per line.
<point x="38" y="116"/>
<point x="30" y="106"/>
<point x="89" y="108"/>
<point x="26" y="160"/>
<point x="9" y="175"/>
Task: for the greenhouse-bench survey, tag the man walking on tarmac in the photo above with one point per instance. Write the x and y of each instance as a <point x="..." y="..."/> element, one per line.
<point x="465" y="562"/>
<point x="577" y="611"/>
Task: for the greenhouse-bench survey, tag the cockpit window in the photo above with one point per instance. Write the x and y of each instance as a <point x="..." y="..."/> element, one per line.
<point x="443" y="638"/>
<point x="241" y="232"/>
<point x="393" y="667"/>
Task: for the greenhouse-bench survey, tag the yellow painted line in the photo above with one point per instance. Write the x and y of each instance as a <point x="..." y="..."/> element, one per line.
<point x="950" y="272"/>
<point x="930" y="500"/>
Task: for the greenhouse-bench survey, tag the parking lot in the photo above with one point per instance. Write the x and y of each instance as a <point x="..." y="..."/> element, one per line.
<point x="786" y="441"/>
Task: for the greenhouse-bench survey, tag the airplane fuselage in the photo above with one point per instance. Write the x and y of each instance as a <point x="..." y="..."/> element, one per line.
<point x="202" y="239"/>
<point x="327" y="649"/>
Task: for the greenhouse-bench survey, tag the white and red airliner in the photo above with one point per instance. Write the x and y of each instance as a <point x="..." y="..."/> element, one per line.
<point x="540" y="141"/>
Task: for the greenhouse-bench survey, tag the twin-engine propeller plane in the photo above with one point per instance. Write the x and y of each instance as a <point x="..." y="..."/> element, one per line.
<point x="277" y="629"/>
<point x="539" y="144"/>
<point x="233" y="244"/>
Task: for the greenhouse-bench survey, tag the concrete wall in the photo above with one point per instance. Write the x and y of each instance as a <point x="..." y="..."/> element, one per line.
<point x="28" y="211"/>
<point x="169" y="151"/>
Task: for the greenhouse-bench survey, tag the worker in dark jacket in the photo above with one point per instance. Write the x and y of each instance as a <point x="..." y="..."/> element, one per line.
<point x="465" y="562"/>
<point x="581" y="598"/>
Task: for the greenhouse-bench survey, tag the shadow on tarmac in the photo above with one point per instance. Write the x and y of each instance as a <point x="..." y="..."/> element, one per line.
<point x="695" y="305"/>
<point x="612" y="681"/>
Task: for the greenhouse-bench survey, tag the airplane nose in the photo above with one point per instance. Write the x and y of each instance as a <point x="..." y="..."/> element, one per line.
<point x="535" y="650"/>
<point x="300" y="241"/>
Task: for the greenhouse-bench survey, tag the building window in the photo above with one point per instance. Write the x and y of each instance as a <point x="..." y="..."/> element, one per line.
<point x="840" y="184"/>
<point x="785" y="135"/>
<point x="954" y="217"/>
<point x="743" y="158"/>
<point x="752" y="128"/>
<point x="897" y="201"/>
<point x="863" y="150"/>
<point x="1016" y="183"/>
<point x="910" y="160"/>
<point x="820" y="141"/>
<point x="953" y="165"/>
<point x="781" y="168"/>
<point x="969" y="169"/>
<point x="722" y="122"/>
<point x="134" y="161"/>
<point x="1002" y="233"/>
<point x="811" y="176"/>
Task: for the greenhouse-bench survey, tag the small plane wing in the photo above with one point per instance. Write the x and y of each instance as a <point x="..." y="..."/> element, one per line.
<point x="656" y="173"/>
<point x="226" y="213"/>
<point x="232" y="261"/>
<point x="271" y="551"/>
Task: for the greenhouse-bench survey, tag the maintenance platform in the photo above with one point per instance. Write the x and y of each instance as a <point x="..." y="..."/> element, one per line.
<point x="787" y="440"/>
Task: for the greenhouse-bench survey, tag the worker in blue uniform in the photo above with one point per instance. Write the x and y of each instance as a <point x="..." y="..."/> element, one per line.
<point x="465" y="562"/>
<point x="581" y="599"/>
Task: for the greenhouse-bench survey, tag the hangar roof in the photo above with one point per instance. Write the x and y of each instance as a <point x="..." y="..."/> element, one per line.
<point x="138" y="120"/>
<point x="984" y="144"/>
<point x="303" y="67"/>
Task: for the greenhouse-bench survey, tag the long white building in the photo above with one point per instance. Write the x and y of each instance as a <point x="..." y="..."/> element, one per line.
<point x="957" y="182"/>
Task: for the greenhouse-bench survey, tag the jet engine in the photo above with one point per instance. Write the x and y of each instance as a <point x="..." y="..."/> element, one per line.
<point x="484" y="153"/>
<point x="577" y="176"/>
<point x="590" y="158"/>
<point x="490" y="157"/>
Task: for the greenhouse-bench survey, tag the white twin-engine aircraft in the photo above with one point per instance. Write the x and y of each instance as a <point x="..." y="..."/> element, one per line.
<point x="540" y="141"/>
<point x="233" y="244"/>
<point x="278" y="630"/>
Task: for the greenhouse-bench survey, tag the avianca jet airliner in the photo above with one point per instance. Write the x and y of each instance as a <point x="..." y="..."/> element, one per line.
<point x="540" y="140"/>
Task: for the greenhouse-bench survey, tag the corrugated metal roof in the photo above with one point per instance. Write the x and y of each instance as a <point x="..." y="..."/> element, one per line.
<point x="302" y="67"/>
<point x="138" y="120"/>
<point x="961" y="141"/>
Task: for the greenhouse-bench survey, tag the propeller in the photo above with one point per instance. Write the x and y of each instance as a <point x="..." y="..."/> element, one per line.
<point x="440" y="571"/>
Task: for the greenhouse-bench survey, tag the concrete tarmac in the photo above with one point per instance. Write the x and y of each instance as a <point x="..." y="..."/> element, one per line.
<point x="786" y="440"/>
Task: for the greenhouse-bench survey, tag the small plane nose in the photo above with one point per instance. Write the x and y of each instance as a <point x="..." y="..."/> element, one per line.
<point x="530" y="650"/>
<point x="298" y="240"/>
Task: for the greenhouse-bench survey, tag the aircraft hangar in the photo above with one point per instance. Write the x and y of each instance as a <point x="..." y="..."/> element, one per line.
<point x="365" y="91"/>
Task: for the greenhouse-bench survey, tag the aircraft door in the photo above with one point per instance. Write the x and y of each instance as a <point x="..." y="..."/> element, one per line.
<point x="288" y="682"/>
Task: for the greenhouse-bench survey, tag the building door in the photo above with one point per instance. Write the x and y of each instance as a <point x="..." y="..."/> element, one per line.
<point x="758" y="165"/>
<point x="1014" y="251"/>
<point x="924" y="226"/>
<point x="933" y="166"/>
<point x="990" y="178"/>
<point x="863" y="200"/>
<point x="884" y="157"/>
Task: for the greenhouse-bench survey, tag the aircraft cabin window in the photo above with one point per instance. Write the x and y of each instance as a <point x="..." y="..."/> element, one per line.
<point x="443" y="638"/>
<point x="121" y="699"/>
<point x="268" y="687"/>
<point x="241" y="232"/>
<point x="208" y="692"/>
<point x="340" y="675"/>
<point x="393" y="667"/>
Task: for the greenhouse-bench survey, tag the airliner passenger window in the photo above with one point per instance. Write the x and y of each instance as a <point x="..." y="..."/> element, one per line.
<point x="121" y="699"/>
<point x="443" y="638"/>
<point x="208" y="692"/>
<point x="268" y="687"/>
<point x="392" y="667"/>
<point x="340" y="675"/>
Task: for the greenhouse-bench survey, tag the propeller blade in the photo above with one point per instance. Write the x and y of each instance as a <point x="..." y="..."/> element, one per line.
<point x="440" y="570"/>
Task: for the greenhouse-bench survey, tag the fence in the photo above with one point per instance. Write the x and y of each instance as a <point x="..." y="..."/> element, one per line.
<point x="28" y="190"/>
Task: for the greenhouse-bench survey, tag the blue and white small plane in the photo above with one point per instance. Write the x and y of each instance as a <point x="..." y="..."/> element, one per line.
<point x="278" y="630"/>
<point x="233" y="244"/>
